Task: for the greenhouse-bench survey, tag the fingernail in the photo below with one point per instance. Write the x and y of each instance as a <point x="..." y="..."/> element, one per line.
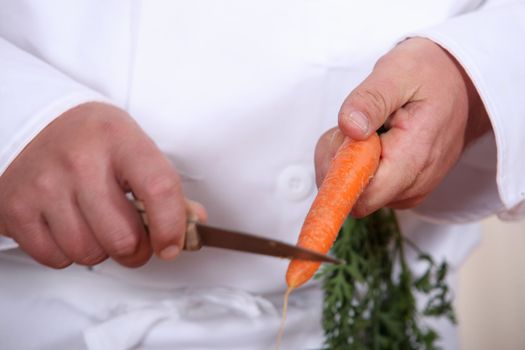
<point x="170" y="252"/>
<point x="360" y="120"/>
<point x="336" y="138"/>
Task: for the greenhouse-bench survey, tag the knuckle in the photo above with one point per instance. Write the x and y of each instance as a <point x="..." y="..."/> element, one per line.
<point x="79" y="162"/>
<point x="52" y="257"/>
<point x="93" y="257"/>
<point x="60" y="263"/>
<point x="136" y="262"/>
<point x="87" y="253"/>
<point x="40" y="246"/>
<point x="123" y="244"/>
<point x="109" y="126"/>
<point x="377" y="101"/>
<point x="360" y="210"/>
<point x="170" y="232"/>
<point x="139" y="259"/>
<point x="161" y="185"/>
<point x="46" y="183"/>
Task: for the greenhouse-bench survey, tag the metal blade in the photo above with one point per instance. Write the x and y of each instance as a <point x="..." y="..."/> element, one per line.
<point x="219" y="238"/>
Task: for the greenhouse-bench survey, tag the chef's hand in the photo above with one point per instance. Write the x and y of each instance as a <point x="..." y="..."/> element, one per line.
<point x="431" y="110"/>
<point x="63" y="198"/>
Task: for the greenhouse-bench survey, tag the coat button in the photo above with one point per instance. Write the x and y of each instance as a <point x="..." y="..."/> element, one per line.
<point x="296" y="182"/>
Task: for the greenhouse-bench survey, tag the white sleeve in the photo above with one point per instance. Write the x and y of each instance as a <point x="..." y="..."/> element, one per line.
<point x="489" y="44"/>
<point x="32" y="94"/>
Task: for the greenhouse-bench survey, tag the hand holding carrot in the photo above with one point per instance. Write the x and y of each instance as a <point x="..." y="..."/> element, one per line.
<point x="432" y="111"/>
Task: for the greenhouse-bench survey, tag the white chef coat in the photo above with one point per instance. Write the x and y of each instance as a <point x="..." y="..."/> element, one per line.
<point x="236" y="93"/>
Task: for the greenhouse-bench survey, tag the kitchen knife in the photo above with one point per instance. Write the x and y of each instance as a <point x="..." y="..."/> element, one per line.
<point x="198" y="236"/>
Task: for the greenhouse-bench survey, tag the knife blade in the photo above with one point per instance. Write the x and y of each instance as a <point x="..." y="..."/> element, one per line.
<point x="244" y="242"/>
<point x="198" y="235"/>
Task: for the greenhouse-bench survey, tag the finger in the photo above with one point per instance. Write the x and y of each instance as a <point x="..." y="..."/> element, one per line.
<point x="115" y="223"/>
<point x="407" y="203"/>
<point x="35" y="239"/>
<point x="72" y="234"/>
<point x="325" y="151"/>
<point x="154" y="181"/>
<point x="23" y="221"/>
<point x="369" y="105"/>
<point x="398" y="170"/>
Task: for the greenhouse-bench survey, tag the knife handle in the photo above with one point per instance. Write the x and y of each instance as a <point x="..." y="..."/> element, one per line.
<point x="192" y="239"/>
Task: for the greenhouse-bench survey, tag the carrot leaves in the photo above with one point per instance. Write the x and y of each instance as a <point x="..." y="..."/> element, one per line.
<point x="370" y="302"/>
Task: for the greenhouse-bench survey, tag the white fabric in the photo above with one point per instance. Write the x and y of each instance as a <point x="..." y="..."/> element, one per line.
<point x="51" y="93"/>
<point x="488" y="45"/>
<point x="236" y="93"/>
<point x="81" y="309"/>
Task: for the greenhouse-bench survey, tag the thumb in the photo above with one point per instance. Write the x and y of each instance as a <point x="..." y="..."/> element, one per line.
<point x="197" y="209"/>
<point x="369" y="105"/>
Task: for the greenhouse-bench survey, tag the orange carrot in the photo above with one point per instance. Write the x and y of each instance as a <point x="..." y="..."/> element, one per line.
<point x="352" y="167"/>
